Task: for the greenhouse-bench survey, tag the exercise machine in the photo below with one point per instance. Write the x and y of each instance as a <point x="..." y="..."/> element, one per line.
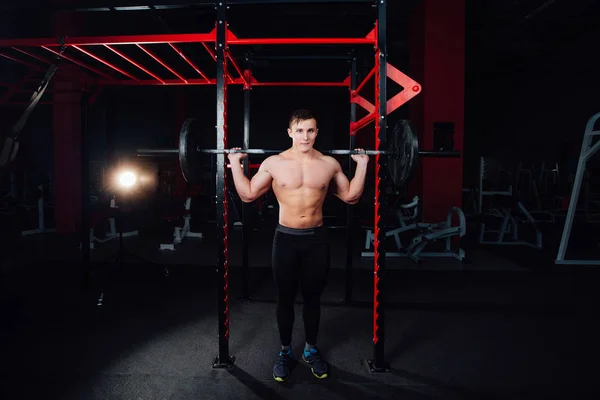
<point x="182" y="232"/>
<point x="428" y="233"/>
<point x="588" y="149"/>
<point x="499" y="202"/>
<point x="41" y="229"/>
<point x="112" y="232"/>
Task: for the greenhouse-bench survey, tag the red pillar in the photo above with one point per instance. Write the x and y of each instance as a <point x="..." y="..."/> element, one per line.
<point x="437" y="61"/>
<point x="67" y="137"/>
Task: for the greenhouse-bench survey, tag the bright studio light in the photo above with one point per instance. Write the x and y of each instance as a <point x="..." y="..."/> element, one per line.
<point x="132" y="179"/>
<point x="127" y="179"/>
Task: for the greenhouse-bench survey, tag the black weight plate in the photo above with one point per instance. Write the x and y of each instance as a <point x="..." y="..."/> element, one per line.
<point x="189" y="158"/>
<point x="403" y="146"/>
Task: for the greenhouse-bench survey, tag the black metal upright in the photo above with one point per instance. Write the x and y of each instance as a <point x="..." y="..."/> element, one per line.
<point x="86" y="263"/>
<point x="245" y="206"/>
<point x="223" y="360"/>
<point x="378" y="363"/>
<point x="350" y="207"/>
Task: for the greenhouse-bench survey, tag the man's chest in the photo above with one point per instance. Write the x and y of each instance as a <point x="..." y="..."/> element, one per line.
<point x="293" y="175"/>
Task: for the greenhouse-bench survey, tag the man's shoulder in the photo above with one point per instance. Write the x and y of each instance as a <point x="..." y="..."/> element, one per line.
<point x="271" y="160"/>
<point x="330" y="160"/>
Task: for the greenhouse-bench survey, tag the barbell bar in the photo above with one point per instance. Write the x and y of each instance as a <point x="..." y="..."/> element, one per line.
<point x="330" y="152"/>
<point x="422" y="153"/>
<point x="403" y="151"/>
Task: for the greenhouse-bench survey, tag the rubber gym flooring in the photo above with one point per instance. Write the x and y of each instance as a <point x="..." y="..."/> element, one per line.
<point x="502" y="326"/>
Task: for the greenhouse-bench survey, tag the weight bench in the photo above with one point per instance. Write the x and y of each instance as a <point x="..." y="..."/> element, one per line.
<point x="182" y="232"/>
<point x="499" y="201"/>
<point x="41" y="229"/>
<point x="428" y="233"/>
<point x="112" y="233"/>
<point x="510" y="218"/>
<point x="442" y="231"/>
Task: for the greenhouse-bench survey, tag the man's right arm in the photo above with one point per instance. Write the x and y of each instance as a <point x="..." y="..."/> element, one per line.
<point x="250" y="190"/>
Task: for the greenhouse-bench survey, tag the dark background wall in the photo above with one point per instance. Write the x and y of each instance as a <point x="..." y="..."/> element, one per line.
<point x="531" y="84"/>
<point x="533" y="104"/>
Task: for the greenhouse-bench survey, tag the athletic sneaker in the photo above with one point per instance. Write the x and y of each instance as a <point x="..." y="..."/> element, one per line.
<point x="281" y="370"/>
<point x="317" y="365"/>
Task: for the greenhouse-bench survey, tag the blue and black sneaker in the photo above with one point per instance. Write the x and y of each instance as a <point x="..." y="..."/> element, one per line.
<point x="281" y="370"/>
<point x="317" y="365"/>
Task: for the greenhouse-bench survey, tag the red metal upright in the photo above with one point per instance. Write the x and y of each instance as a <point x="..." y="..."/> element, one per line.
<point x="68" y="139"/>
<point x="437" y="56"/>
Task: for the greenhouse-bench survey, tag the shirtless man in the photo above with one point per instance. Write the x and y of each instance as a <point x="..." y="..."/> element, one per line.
<point x="300" y="177"/>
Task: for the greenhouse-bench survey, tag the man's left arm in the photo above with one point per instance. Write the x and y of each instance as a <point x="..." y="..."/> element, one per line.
<point x="350" y="191"/>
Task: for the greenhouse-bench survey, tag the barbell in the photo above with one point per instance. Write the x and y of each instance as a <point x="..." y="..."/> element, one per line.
<point x="402" y="151"/>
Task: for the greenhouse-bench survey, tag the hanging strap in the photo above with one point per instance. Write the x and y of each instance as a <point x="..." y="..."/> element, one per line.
<point x="11" y="143"/>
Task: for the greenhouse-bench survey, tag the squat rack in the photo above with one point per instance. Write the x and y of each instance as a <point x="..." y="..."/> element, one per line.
<point x="222" y="38"/>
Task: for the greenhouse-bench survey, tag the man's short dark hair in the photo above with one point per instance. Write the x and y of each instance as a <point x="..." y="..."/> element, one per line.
<point x="301" y="115"/>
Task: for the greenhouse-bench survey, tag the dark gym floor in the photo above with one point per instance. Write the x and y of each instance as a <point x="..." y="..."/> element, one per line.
<point x="504" y="325"/>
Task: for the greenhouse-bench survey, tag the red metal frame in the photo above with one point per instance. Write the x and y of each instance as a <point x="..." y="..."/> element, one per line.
<point x="191" y="64"/>
<point x="89" y="53"/>
<point x="13" y="58"/>
<point x="119" y="53"/>
<point x="80" y="63"/>
<point x="237" y="68"/>
<point x="245" y="78"/>
<point x="143" y="42"/>
<point x="113" y="40"/>
<point x="282" y="41"/>
<point x="44" y="60"/>
<point x="210" y="51"/>
<point x="161" y="62"/>
<point x="410" y="89"/>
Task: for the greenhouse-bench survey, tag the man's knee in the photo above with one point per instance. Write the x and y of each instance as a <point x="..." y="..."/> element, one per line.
<point x="286" y="298"/>
<point x="314" y="286"/>
<point x="312" y="299"/>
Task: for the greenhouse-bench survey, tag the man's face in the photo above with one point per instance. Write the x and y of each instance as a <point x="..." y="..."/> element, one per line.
<point x="303" y="134"/>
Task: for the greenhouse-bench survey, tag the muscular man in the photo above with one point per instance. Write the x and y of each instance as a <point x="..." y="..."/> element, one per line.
<point x="300" y="177"/>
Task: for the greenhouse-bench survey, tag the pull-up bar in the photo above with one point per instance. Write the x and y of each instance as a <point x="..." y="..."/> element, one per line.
<point x="176" y="38"/>
<point x="144" y="42"/>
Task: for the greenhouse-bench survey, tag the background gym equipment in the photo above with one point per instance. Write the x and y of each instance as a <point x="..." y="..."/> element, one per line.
<point x="41" y="229"/>
<point x="10" y="145"/>
<point x="403" y="151"/>
<point x="588" y="149"/>
<point x="181" y="233"/>
<point x="425" y="233"/>
<point x="500" y="209"/>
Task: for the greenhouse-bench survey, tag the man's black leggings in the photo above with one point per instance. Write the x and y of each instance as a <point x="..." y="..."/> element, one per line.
<point x="300" y="256"/>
